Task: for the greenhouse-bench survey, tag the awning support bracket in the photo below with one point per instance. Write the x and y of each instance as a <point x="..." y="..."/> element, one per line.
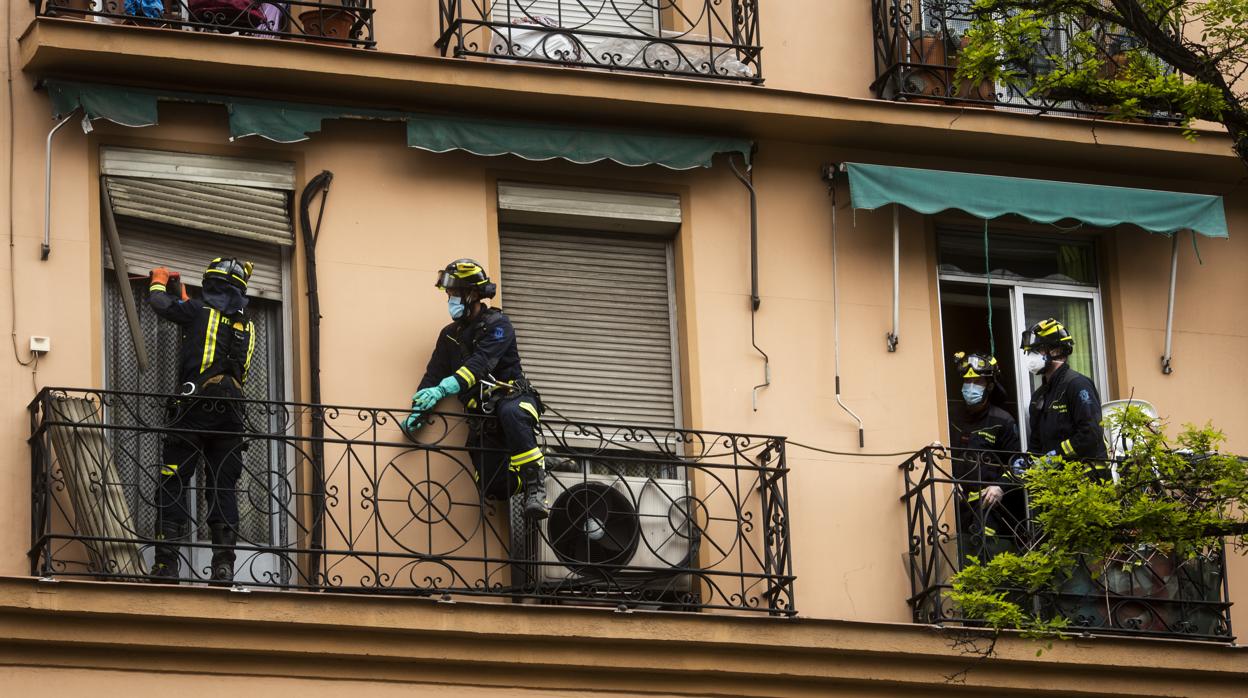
<point x="1166" y="366"/>
<point x="894" y="337"/>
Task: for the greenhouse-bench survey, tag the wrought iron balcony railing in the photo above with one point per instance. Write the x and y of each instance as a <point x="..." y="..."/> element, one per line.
<point x="694" y="38"/>
<point x="1143" y="591"/>
<point x="917" y="47"/>
<point x="640" y="518"/>
<point x="346" y="22"/>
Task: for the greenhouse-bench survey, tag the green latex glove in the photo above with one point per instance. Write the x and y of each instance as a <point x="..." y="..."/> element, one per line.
<point x="449" y="386"/>
<point x="414" y="421"/>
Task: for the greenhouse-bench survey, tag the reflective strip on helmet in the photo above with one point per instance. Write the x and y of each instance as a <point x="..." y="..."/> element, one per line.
<point x="210" y="340"/>
<point x="466" y="375"/>
<point x="464" y="270"/>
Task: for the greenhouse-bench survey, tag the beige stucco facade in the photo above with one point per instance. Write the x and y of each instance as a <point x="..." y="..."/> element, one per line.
<point x="396" y="215"/>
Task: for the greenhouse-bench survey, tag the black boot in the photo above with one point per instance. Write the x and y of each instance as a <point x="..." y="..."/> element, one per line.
<point x="534" y="478"/>
<point x="166" y="566"/>
<point x="223" y="539"/>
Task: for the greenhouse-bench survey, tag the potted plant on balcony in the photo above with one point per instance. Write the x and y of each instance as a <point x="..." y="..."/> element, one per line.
<point x="933" y="79"/>
<point x="332" y="21"/>
<point x="1133" y="548"/>
<point x="72" y="9"/>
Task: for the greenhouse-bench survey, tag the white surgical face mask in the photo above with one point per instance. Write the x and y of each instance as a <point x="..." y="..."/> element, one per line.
<point x="455" y="306"/>
<point x="1034" y="361"/>
<point x="973" y="394"/>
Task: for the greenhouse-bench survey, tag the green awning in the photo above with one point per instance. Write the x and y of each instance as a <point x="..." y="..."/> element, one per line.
<point x="1042" y="201"/>
<point x="288" y="122"/>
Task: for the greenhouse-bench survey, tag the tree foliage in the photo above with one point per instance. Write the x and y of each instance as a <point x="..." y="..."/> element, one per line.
<point x="1180" y="500"/>
<point x="1131" y="58"/>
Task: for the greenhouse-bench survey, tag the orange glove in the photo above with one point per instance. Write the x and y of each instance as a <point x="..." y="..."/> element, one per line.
<point x="158" y="276"/>
<point x="176" y="278"/>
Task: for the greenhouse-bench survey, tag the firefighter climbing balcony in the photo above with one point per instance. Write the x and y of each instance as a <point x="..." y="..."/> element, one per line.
<point x="343" y="22"/>
<point x="692" y="38"/>
<point x="1139" y="589"/>
<point x="338" y="499"/>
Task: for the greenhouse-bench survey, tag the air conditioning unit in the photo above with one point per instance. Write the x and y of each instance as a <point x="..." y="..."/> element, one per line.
<point x="642" y="523"/>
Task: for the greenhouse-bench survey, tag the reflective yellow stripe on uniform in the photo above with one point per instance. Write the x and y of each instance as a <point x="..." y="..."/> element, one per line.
<point x="169" y="469"/>
<point x="973" y="496"/>
<point x="251" y="348"/>
<point x="528" y="407"/>
<point x="1067" y="448"/>
<point x="210" y="340"/>
<point x="533" y="454"/>
<point x="156" y="287"/>
<point x="469" y="379"/>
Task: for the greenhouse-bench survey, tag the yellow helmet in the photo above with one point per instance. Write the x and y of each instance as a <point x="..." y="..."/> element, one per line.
<point x="976" y="365"/>
<point x="230" y="270"/>
<point x="466" y="275"/>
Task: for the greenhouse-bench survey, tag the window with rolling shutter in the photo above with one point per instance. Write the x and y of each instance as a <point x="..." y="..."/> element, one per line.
<point x="594" y="319"/>
<point x="627" y="17"/>
<point x="180" y="211"/>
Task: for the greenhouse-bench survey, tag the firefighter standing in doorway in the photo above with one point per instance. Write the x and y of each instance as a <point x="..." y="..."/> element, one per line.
<point x="1065" y="415"/>
<point x="476" y="358"/>
<point x="217" y="345"/>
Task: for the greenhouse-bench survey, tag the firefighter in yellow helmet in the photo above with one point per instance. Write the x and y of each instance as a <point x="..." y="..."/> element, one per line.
<point x="476" y="358"/>
<point x="1065" y="414"/>
<point x="218" y="342"/>
<point x="985" y="443"/>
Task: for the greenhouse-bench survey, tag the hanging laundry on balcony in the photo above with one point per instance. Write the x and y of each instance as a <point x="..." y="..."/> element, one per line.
<point x="244" y="14"/>
<point x="145" y="8"/>
<point x="551" y="43"/>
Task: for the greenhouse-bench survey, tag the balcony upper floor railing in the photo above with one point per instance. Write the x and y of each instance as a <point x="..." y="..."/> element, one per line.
<point x="344" y="22"/>
<point x="1138" y="591"/>
<point x="917" y="47"/>
<point x="693" y="38"/>
<point x="336" y="498"/>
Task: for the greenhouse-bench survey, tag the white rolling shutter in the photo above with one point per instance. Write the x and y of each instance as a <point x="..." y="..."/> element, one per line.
<point x="594" y="321"/>
<point x="628" y="17"/>
<point x="241" y="198"/>
<point x="185" y="251"/>
<point x="182" y="210"/>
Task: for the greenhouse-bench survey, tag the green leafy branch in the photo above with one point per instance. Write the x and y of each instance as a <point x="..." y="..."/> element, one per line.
<point x="1179" y="500"/>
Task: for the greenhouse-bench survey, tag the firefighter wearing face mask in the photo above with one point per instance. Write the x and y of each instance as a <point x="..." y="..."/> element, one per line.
<point x="984" y="436"/>
<point x="218" y="342"/>
<point x="1065" y="415"/>
<point x="476" y="359"/>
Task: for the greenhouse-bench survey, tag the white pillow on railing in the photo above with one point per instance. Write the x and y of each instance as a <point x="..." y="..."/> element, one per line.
<point x="515" y="41"/>
<point x="655" y="53"/>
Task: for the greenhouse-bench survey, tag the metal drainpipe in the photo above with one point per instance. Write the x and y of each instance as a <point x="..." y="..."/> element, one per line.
<point x="755" y="299"/>
<point x="46" y="250"/>
<point x="1166" y="368"/>
<point x="319" y="184"/>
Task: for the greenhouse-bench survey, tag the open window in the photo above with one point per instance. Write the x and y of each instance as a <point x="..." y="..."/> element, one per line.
<point x="1009" y="284"/>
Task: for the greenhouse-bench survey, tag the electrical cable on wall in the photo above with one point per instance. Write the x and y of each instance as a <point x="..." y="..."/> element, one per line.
<point x="992" y="338"/>
<point x="12" y="116"/>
